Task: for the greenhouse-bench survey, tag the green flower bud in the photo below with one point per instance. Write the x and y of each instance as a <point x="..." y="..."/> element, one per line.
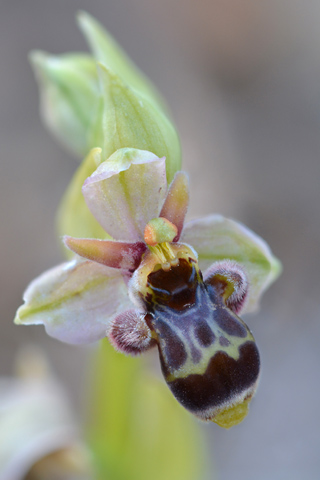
<point x="107" y="51"/>
<point x="113" y="108"/>
<point x="69" y="99"/>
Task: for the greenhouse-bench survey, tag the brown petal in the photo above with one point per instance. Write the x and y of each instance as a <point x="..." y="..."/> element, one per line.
<point x="126" y="256"/>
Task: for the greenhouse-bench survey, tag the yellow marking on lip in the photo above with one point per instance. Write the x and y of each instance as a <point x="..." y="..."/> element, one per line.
<point x="233" y="415"/>
<point x="190" y="368"/>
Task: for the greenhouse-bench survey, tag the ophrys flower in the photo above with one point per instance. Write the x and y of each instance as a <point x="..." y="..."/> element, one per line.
<point x="145" y="287"/>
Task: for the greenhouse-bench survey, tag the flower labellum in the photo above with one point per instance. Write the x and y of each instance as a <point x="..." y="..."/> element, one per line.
<point x="208" y="355"/>
<point x="145" y="287"/>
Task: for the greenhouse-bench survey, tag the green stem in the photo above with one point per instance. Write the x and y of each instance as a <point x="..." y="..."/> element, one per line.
<point x="136" y="429"/>
<point x="111" y="398"/>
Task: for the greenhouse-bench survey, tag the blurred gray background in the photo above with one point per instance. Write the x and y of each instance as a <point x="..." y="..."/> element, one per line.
<point x="242" y="78"/>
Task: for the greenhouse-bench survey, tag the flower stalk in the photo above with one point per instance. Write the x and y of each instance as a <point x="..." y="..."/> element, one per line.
<point x="135" y="429"/>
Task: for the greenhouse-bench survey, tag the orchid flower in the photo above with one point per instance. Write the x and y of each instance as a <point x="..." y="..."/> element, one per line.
<point x="158" y="282"/>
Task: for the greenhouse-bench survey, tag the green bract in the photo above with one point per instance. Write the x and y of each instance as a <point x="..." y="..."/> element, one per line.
<point x="103" y="101"/>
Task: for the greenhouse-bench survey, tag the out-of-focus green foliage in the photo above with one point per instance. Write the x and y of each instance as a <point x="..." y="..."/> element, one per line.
<point x="137" y="430"/>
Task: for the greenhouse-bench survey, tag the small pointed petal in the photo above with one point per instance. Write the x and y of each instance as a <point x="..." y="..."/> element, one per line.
<point x="176" y="203"/>
<point x="130" y="334"/>
<point x="217" y="238"/>
<point x="230" y="282"/>
<point x="75" y="301"/>
<point x="126" y="256"/>
<point x="126" y="191"/>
